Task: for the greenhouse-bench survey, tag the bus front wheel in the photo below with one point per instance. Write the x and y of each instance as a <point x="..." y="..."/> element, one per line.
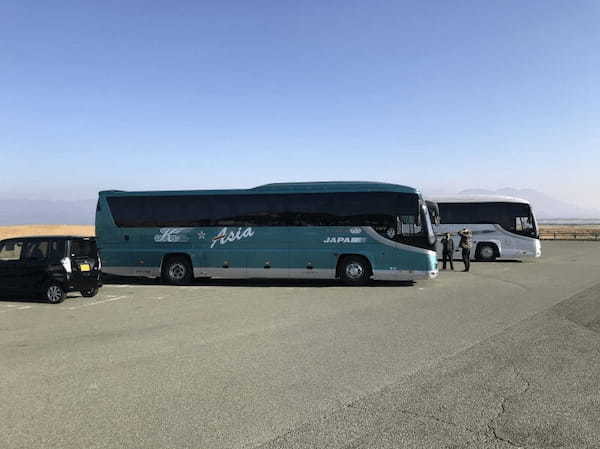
<point x="486" y="252"/>
<point x="177" y="271"/>
<point x="355" y="270"/>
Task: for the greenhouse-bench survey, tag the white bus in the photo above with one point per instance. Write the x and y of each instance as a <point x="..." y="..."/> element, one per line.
<point x="502" y="226"/>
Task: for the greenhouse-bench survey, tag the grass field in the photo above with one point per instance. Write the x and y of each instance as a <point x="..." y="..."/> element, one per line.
<point x="29" y="230"/>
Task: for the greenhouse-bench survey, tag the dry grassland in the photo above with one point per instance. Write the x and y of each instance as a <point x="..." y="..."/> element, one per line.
<point x="31" y="230"/>
<point x="570" y="232"/>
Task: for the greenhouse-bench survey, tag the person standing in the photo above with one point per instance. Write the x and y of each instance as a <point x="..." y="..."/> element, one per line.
<point x="447" y="250"/>
<point x="466" y="243"/>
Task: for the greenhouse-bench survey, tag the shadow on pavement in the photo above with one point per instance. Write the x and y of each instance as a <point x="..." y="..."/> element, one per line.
<point x="30" y="297"/>
<point x="120" y="280"/>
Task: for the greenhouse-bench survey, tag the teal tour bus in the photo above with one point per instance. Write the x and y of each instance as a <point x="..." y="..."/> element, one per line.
<point x="352" y="231"/>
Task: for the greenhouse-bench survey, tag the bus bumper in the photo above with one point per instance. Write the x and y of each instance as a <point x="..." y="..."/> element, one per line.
<point x="403" y="275"/>
<point x="533" y="252"/>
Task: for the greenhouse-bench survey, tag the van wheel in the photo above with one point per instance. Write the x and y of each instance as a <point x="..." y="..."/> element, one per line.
<point x="355" y="271"/>
<point x="55" y="294"/>
<point x="177" y="271"/>
<point x="89" y="293"/>
<point x="486" y="252"/>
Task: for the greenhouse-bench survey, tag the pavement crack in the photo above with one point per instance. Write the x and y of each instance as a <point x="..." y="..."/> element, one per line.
<point x="502" y="409"/>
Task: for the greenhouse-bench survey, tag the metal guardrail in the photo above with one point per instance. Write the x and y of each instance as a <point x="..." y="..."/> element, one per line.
<point x="570" y="235"/>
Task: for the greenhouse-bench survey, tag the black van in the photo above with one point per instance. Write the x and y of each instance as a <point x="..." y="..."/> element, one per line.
<point x="51" y="266"/>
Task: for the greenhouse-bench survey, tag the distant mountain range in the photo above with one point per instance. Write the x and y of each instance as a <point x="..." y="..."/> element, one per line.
<point x="13" y="212"/>
<point x="544" y="206"/>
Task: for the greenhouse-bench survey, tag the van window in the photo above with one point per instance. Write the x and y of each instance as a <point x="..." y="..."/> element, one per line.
<point x="83" y="248"/>
<point x="11" y="250"/>
<point x="36" y="250"/>
<point x="57" y="249"/>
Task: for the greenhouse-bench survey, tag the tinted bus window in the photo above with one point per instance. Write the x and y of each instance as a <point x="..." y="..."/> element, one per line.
<point x="318" y="209"/>
<point x="503" y="214"/>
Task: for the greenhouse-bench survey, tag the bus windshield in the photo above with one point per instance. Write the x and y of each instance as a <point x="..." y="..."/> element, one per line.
<point x="526" y="225"/>
<point x="434" y="212"/>
<point x="413" y="229"/>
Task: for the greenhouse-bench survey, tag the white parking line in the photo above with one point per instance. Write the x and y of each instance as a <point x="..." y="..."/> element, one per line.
<point x="115" y="298"/>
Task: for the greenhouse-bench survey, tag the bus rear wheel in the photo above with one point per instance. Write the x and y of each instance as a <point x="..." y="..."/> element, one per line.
<point x="355" y="270"/>
<point x="177" y="271"/>
<point x="486" y="252"/>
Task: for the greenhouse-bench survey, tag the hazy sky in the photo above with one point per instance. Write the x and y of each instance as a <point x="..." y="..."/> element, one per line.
<point x="173" y="94"/>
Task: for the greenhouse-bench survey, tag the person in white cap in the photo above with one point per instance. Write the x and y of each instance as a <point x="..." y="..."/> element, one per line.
<point x="466" y="243"/>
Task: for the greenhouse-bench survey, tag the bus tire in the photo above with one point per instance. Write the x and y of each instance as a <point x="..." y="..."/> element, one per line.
<point x="355" y="270"/>
<point x="486" y="252"/>
<point x="177" y="270"/>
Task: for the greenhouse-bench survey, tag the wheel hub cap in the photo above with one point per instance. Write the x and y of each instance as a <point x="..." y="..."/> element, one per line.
<point x="354" y="270"/>
<point x="487" y="252"/>
<point x="177" y="271"/>
<point x="53" y="293"/>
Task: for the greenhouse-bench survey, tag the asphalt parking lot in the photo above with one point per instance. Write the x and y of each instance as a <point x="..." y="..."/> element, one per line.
<point x="503" y="356"/>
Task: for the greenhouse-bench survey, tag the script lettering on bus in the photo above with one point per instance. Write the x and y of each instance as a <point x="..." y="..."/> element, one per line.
<point x="172" y="235"/>
<point x="224" y="236"/>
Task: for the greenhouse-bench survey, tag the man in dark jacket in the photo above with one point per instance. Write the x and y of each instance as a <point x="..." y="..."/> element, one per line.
<point x="466" y="243"/>
<point x="447" y="250"/>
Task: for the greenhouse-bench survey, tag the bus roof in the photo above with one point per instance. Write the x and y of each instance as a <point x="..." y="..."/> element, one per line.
<point x="287" y="187"/>
<point x="478" y="199"/>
